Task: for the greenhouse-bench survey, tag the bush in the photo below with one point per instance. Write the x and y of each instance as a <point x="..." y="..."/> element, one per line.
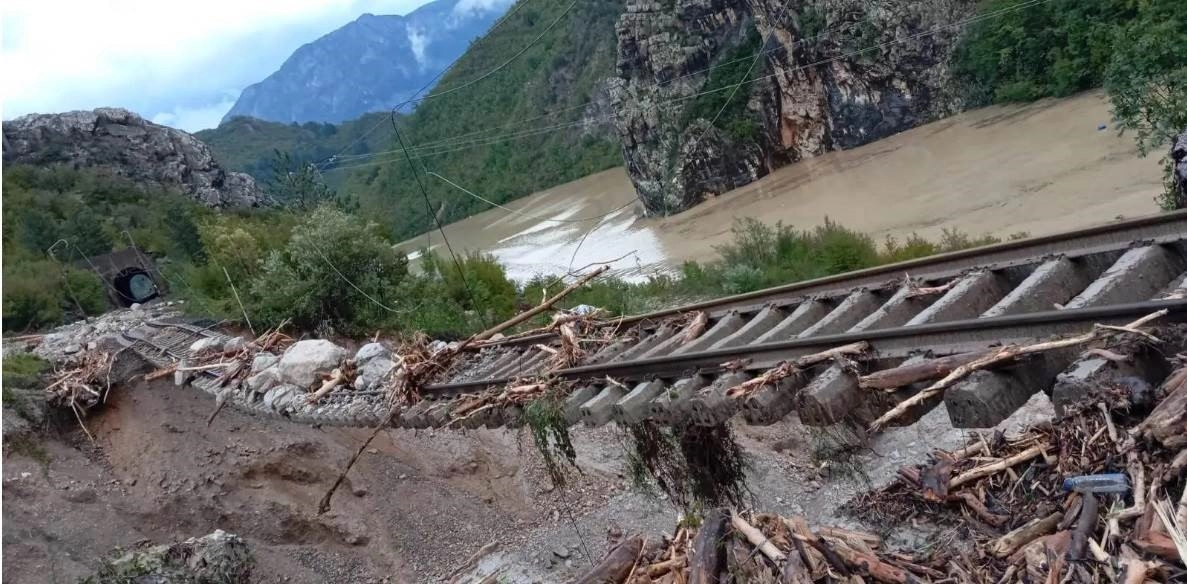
<point x="40" y="293"/>
<point x="336" y="273"/>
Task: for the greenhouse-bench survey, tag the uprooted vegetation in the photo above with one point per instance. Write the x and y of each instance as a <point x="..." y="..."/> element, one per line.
<point x="1094" y="496"/>
<point x="696" y="467"/>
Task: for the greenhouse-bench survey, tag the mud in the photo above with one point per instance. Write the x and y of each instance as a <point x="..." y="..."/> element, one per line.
<point x="1037" y="168"/>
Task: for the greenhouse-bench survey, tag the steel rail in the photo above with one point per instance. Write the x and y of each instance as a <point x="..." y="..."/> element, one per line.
<point x="942" y="338"/>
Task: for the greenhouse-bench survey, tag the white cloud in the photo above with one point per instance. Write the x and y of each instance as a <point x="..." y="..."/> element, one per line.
<point x="464" y="7"/>
<point x="192" y="119"/>
<point x="418" y="41"/>
<point x="156" y="58"/>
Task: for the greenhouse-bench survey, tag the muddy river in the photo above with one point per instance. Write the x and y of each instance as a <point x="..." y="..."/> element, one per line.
<point x="1040" y="168"/>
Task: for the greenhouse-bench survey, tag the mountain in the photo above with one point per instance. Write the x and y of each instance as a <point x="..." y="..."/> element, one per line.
<point x="249" y="145"/>
<point x="373" y="63"/>
<point x="126" y="145"/>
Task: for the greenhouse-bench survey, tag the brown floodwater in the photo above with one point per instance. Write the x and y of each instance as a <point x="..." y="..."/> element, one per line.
<point x="1038" y="168"/>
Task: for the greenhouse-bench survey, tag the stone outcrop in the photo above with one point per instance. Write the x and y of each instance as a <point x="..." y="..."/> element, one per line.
<point x="127" y="145"/>
<point x="1179" y="171"/>
<point x="217" y="558"/>
<point x="831" y="74"/>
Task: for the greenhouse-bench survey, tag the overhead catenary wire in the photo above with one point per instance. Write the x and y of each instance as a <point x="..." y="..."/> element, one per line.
<point x="529" y="215"/>
<point x="731" y="87"/>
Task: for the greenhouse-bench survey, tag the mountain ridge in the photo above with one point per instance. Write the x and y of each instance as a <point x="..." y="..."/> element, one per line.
<point x="372" y="63"/>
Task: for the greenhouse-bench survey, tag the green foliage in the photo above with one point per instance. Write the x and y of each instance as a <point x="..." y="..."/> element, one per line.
<point x="1048" y="49"/>
<point x="1147" y="76"/>
<point x="335" y="272"/>
<point x="22" y="369"/>
<point x="40" y="293"/>
<point x="297" y="185"/>
<point x="476" y="282"/>
<point x="545" y="419"/>
<point x="735" y="119"/>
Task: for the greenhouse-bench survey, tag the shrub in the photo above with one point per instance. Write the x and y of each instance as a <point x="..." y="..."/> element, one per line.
<point x="336" y="272"/>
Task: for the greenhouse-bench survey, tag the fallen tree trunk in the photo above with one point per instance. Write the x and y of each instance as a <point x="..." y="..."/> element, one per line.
<point x="544" y="306"/>
<point x="757" y="539"/>
<point x="707" y="556"/>
<point x="617" y="564"/>
<point x="905" y="375"/>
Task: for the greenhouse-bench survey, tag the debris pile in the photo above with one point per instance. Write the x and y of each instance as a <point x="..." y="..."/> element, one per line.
<point x="757" y="547"/>
<point x="1090" y="496"/>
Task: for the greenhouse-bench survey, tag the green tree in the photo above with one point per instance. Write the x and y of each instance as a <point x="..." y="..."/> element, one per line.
<point x="297" y="184"/>
<point x="1147" y="76"/>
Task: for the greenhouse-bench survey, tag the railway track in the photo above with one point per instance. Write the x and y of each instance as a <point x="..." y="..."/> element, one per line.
<point x="954" y="303"/>
<point x="650" y="367"/>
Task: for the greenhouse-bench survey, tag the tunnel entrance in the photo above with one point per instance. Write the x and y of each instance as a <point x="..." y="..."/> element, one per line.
<point x="135" y="285"/>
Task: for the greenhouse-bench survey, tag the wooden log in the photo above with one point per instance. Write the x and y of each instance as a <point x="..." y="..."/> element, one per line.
<point x="614" y="568"/>
<point x="972" y="502"/>
<point x="159" y="373"/>
<point x="995" y="467"/>
<point x="757" y="539"/>
<point x="794" y="570"/>
<point x="1167" y="423"/>
<point x="869" y="564"/>
<point x="800" y="535"/>
<point x="1159" y="544"/>
<point x="336" y="378"/>
<point x="1010" y="542"/>
<point x="544" y="306"/>
<point x="1089" y="515"/>
<point x="905" y="375"/>
<point x="707" y="556"/>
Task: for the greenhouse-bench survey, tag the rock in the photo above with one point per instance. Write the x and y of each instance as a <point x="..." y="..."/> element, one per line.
<point x="370" y="351"/>
<point x="792" y="112"/>
<point x="205" y="344"/>
<point x="1179" y="179"/>
<point x="217" y="557"/>
<point x="373" y="373"/>
<point x="135" y="306"/>
<point x="303" y="362"/>
<point x="262" y="361"/>
<point x="129" y="146"/>
<point x="359" y="492"/>
<point x="277" y="397"/>
<point x="72" y="348"/>
<point x="263" y="381"/>
<point x="561" y="552"/>
<point x="234" y="344"/>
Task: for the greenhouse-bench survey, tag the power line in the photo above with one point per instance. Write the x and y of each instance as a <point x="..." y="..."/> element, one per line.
<point x="518" y="5"/>
<point x="528" y="215"/>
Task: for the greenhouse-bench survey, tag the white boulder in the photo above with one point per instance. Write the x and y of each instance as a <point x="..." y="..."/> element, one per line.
<point x="303" y="362"/>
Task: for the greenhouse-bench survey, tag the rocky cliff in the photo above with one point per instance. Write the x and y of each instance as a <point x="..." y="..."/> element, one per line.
<point x="371" y="64"/>
<point x="128" y="145"/>
<point x="698" y="115"/>
<point x="1178" y="157"/>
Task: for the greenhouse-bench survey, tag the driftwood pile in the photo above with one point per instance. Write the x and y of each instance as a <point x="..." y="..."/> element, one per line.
<point x="1028" y="519"/>
<point x="758" y="548"/>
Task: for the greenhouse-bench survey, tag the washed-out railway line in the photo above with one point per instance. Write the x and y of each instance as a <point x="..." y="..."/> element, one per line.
<point x="651" y="367"/>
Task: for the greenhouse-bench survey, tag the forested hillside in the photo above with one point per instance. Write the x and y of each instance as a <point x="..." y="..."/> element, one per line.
<point x="249" y="145"/>
<point x="485" y="135"/>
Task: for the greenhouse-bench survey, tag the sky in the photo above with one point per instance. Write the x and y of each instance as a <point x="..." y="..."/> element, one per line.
<point x="179" y="64"/>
